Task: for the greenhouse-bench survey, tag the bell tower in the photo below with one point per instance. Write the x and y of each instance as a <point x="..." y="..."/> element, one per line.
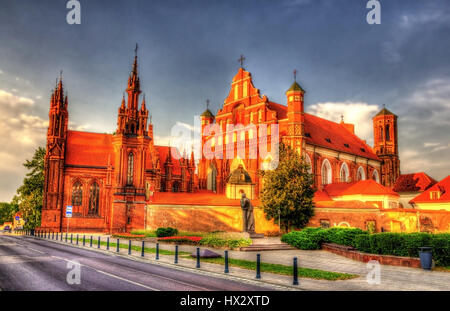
<point x="54" y="159"/>
<point x="296" y="118"/>
<point x="386" y="145"/>
<point x="132" y="146"/>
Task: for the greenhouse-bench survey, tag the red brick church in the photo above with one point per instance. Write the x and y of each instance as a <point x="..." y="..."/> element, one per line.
<point x="108" y="179"/>
<point x="123" y="181"/>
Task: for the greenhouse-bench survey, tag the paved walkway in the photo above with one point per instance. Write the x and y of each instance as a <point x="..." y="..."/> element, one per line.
<point x="391" y="277"/>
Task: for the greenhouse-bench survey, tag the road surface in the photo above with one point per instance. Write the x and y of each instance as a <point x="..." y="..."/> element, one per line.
<point x="27" y="264"/>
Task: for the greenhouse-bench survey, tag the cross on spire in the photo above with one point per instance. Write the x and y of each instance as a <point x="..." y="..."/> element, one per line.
<point x="241" y="60"/>
<point x="295" y="75"/>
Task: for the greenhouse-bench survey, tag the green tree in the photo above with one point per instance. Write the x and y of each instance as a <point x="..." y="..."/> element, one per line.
<point x="7" y="211"/>
<point x="29" y="196"/>
<point x="288" y="191"/>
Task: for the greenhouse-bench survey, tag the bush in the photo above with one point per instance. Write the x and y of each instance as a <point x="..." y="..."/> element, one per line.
<point x="163" y="232"/>
<point x="406" y="244"/>
<point x="312" y="238"/>
<point x="221" y="239"/>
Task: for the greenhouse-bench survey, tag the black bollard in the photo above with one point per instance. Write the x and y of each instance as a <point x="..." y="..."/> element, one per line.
<point x="143" y="249"/>
<point x="107" y="244"/>
<point x="226" y="263"/>
<point x="90" y="243"/>
<point x="77" y="239"/>
<point x="117" y="250"/>
<point x="71" y="238"/>
<point x="57" y="236"/>
<point x="129" y="247"/>
<point x="157" y="251"/>
<point x="53" y="235"/>
<point x="198" y="258"/>
<point x="66" y="237"/>
<point x="84" y="240"/>
<point x="98" y="243"/>
<point x="62" y="236"/>
<point x="176" y="254"/>
<point x="295" y="272"/>
<point x="45" y="234"/>
<point x="258" y="266"/>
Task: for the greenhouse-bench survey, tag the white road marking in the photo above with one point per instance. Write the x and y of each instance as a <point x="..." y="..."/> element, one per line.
<point x="109" y="274"/>
<point x="33" y="249"/>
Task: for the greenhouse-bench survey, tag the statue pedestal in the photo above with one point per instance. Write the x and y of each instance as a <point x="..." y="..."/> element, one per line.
<point x="255" y="235"/>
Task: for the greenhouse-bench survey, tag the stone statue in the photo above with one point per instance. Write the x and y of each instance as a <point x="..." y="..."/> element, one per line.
<point x="248" y="219"/>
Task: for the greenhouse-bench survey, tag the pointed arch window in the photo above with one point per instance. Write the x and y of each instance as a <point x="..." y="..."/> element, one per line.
<point x="381" y="133"/>
<point x="77" y="194"/>
<point x="344" y="172"/>
<point x="388" y="134"/>
<point x="360" y="175"/>
<point x="326" y="173"/>
<point x="376" y="176"/>
<point x="130" y="171"/>
<point x="308" y="161"/>
<point x="94" y="192"/>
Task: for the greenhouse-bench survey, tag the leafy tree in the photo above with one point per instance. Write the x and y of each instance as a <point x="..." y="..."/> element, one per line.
<point x="7" y="211"/>
<point x="29" y="196"/>
<point x="288" y="190"/>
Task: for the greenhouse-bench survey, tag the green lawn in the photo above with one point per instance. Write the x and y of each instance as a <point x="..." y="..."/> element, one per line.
<point x="245" y="264"/>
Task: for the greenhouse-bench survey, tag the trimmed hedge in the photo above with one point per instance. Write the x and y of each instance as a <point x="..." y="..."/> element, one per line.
<point x="312" y="238"/>
<point x="406" y="244"/>
<point x="164" y="232"/>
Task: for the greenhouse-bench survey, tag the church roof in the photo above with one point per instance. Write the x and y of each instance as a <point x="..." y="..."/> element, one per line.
<point x="89" y="149"/>
<point x="295" y="87"/>
<point x="384" y="112"/>
<point x="329" y="134"/>
<point x="332" y="135"/>
<point x="207" y="113"/>
<point x="363" y="187"/>
<point x="413" y="182"/>
<point x="443" y="187"/>
<point x="239" y="176"/>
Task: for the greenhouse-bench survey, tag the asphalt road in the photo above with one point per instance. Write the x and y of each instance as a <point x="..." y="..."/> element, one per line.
<point x="32" y="264"/>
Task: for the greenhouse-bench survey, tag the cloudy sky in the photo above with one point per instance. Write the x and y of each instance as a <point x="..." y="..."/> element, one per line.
<point x="188" y="53"/>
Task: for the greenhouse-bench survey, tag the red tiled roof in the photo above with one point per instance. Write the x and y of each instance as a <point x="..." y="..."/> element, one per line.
<point x="413" y="182"/>
<point x="320" y="129"/>
<point x="364" y="187"/>
<point x="321" y="196"/>
<point x="348" y="204"/>
<point x="201" y="197"/>
<point x="176" y="158"/>
<point x="444" y="189"/>
<point x="280" y="109"/>
<point x="91" y="149"/>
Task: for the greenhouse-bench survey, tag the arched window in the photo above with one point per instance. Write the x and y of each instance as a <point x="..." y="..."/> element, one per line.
<point x="381" y="133"/>
<point x="344" y="172"/>
<point x="245" y="89"/>
<point x="93" y="199"/>
<point x="326" y="173"/>
<point x="308" y="161"/>
<point x="130" y="168"/>
<point x="360" y="175"/>
<point x="236" y="92"/>
<point x="77" y="194"/>
<point x="388" y="134"/>
<point x="376" y="176"/>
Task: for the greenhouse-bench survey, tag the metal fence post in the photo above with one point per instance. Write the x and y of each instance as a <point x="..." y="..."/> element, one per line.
<point x="84" y="240"/>
<point x="226" y="263"/>
<point x="77" y="239"/>
<point x="107" y="244"/>
<point x="71" y="238"/>
<point x="90" y="243"/>
<point x="176" y="254"/>
<point x="129" y="247"/>
<point x="143" y="249"/>
<point x="157" y="251"/>
<point x="98" y="243"/>
<point x="295" y="282"/>
<point x="198" y="258"/>
<point x="117" y="249"/>
<point x="258" y="266"/>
